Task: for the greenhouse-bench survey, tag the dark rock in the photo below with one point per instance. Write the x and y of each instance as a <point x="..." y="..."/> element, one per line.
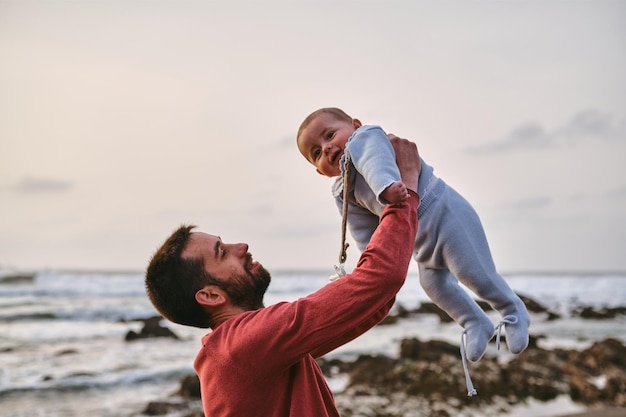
<point x="158" y="408"/>
<point x="194" y="413"/>
<point x="599" y="313"/>
<point x="432" y="308"/>
<point x="552" y="316"/>
<point x="186" y="401"/>
<point x="333" y="367"/>
<point x="604" y="355"/>
<point x="389" y="320"/>
<point x="79" y="374"/>
<point x="189" y="387"/>
<point x="434" y="380"/>
<point x="430" y="374"/>
<point x="415" y="349"/>
<point x="151" y="328"/>
<point x="533" y="339"/>
<point x="532" y="305"/>
<point x="535" y="307"/>
<point x="371" y="368"/>
<point x="428" y="379"/>
<point x="484" y="305"/>
<point x="66" y="352"/>
<point x="401" y="311"/>
<point x="18" y="278"/>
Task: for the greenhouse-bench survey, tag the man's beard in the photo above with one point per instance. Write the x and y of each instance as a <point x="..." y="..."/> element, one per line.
<point x="247" y="290"/>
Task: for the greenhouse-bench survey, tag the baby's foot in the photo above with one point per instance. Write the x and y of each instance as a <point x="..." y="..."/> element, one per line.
<point x="477" y="333"/>
<point x="516" y="329"/>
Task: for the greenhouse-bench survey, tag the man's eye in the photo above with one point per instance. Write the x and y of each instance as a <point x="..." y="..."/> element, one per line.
<point x="224" y="252"/>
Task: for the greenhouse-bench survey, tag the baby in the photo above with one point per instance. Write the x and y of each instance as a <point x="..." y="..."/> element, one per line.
<point x="450" y="245"/>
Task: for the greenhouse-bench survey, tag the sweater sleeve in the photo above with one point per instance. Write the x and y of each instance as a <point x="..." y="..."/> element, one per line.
<point x="373" y="156"/>
<point x="337" y="313"/>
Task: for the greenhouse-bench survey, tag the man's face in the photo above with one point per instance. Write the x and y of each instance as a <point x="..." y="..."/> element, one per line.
<point x="244" y="280"/>
<point x="323" y="142"/>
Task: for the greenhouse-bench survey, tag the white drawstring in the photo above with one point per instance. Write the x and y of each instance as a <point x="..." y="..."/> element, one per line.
<point x="498" y="330"/>
<point x="340" y="272"/>
<point x="505" y="320"/>
<point x="468" y="381"/>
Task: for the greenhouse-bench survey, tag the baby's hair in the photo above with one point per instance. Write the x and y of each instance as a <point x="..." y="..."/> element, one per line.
<point x="337" y="113"/>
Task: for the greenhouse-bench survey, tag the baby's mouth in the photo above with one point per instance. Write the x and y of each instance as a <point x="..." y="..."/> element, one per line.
<point x="337" y="157"/>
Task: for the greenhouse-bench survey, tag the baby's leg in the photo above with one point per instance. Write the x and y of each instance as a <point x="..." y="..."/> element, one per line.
<point x="444" y="290"/>
<point x="490" y="286"/>
<point x="467" y="255"/>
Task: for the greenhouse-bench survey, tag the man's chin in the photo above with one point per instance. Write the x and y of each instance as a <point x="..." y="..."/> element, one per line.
<point x="259" y="273"/>
<point x="264" y="277"/>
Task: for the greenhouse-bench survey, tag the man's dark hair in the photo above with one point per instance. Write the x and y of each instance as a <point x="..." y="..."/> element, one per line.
<point x="172" y="281"/>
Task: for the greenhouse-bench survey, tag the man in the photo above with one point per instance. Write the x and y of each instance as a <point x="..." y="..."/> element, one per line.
<point x="260" y="361"/>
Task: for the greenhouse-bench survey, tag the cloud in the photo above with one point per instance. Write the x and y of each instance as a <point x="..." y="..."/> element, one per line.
<point x="592" y="124"/>
<point x="522" y="211"/>
<point x="587" y="125"/>
<point x="533" y="203"/>
<point x="287" y="142"/>
<point x="617" y="193"/>
<point x="29" y="185"/>
<point x="261" y="210"/>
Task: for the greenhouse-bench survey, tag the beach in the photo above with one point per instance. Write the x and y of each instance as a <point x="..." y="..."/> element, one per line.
<point x="601" y="412"/>
<point x="63" y="347"/>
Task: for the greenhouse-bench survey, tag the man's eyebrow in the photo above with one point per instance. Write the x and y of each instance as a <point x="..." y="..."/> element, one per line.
<point x="217" y="246"/>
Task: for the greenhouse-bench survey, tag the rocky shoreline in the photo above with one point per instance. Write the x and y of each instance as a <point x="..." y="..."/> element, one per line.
<point x="427" y="378"/>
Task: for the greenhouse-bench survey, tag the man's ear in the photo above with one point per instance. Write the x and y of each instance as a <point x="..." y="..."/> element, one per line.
<point x="211" y="296"/>
<point x="356" y="123"/>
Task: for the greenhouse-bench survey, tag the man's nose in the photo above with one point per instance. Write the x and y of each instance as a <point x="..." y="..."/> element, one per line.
<point x="239" y="249"/>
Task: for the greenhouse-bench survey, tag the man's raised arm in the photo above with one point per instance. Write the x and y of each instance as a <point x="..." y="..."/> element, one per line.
<point x="408" y="161"/>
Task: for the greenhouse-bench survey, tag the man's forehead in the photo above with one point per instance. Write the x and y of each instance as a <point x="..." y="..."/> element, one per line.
<point x="199" y="243"/>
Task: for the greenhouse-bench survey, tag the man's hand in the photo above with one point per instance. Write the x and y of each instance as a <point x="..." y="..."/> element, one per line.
<point x="408" y="160"/>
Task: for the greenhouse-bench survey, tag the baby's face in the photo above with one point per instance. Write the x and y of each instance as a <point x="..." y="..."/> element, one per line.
<point x="323" y="141"/>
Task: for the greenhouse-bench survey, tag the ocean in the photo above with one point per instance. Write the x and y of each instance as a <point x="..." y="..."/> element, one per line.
<point x="63" y="351"/>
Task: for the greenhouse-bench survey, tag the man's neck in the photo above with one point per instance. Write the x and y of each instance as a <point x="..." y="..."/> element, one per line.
<point x="224" y="314"/>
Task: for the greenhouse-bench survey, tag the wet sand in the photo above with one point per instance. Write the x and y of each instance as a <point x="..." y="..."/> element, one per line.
<point x="600" y="412"/>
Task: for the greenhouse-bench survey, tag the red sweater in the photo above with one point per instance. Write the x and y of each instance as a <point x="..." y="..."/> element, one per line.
<point x="262" y="363"/>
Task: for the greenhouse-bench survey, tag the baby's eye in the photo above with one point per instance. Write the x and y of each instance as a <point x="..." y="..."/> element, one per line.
<point x="317" y="153"/>
<point x="330" y="135"/>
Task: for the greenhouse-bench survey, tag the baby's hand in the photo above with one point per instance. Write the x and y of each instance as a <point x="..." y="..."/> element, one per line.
<point x="395" y="193"/>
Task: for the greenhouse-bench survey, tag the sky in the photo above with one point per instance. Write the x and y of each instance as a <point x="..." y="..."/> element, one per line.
<point x="121" y="120"/>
